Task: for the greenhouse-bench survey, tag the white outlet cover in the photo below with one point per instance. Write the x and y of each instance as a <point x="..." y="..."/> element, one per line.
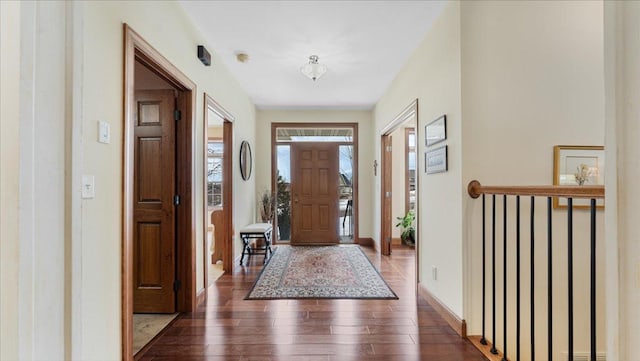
<point x="104" y="132"/>
<point x="88" y="186"/>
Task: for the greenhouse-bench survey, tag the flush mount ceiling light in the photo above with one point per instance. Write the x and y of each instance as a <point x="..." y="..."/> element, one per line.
<point x="313" y="70"/>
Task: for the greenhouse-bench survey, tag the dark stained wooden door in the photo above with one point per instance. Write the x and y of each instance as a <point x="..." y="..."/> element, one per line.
<point x="153" y="208"/>
<point x="314" y="189"/>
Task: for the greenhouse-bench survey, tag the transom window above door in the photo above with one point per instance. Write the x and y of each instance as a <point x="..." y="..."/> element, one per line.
<point x="291" y="134"/>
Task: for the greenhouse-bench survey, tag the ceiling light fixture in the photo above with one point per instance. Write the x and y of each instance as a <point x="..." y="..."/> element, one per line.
<point x="313" y="70"/>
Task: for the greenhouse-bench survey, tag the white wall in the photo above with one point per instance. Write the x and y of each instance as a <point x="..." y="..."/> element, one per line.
<point x="264" y="118"/>
<point x="432" y="75"/>
<point x="165" y="26"/>
<point x="33" y="180"/>
<point x="622" y="83"/>
<point x="9" y="173"/>
<point x="531" y="79"/>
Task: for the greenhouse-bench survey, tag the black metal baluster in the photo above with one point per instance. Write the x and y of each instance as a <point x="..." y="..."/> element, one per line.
<point x="570" y="275"/>
<point x="504" y="278"/>
<point x="593" y="279"/>
<point x="517" y="278"/>
<point x="549" y="282"/>
<point x="493" y="275"/>
<point x="483" y="340"/>
<point x="533" y="313"/>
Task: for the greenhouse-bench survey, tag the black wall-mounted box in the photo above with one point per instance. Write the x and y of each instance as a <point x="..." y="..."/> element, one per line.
<point x="204" y="55"/>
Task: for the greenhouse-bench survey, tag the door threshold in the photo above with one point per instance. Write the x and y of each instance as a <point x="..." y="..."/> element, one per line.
<point x="149" y="327"/>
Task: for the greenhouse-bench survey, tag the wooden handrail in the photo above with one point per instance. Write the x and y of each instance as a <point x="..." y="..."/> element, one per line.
<point x="475" y="189"/>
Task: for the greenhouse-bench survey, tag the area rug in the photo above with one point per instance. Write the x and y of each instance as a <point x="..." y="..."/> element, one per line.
<point x="336" y="272"/>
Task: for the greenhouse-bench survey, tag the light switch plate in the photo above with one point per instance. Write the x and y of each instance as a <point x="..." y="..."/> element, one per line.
<point x="88" y="187"/>
<point x="104" y="132"/>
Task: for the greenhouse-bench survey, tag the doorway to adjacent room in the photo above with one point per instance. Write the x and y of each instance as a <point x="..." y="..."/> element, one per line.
<point x="158" y="240"/>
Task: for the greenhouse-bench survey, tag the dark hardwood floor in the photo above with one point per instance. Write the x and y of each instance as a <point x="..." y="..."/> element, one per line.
<point x="230" y="328"/>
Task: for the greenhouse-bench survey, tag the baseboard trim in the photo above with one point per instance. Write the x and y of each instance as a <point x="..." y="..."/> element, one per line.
<point x="486" y="349"/>
<point x="396" y="241"/>
<point x="366" y="242"/>
<point x="201" y="297"/>
<point x="458" y="324"/>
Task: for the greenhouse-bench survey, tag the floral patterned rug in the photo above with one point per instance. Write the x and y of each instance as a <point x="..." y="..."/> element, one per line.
<point x="320" y="272"/>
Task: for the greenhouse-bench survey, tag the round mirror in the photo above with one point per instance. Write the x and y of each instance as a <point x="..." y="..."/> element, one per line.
<point x="246" y="160"/>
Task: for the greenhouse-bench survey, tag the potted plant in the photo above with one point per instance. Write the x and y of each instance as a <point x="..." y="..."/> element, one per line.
<point x="407" y="228"/>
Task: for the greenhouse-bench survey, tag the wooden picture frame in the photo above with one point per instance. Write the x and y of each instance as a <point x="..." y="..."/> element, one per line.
<point x="578" y="165"/>
<point x="436" y="131"/>
<point x="435" y="161"/>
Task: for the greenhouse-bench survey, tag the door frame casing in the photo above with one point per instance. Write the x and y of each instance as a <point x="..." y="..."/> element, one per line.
<point x="409" y="112"/>
<point x="274" y="157"/>
<point x="137" y="49"/>
<point x="227" y="186"/>
<point x="386" y="186"/>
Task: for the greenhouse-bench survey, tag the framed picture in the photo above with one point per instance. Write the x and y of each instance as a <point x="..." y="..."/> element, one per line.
<point x="435" y="161"/>
<point x="436" y="131"/>
<point x="578" y="165"/>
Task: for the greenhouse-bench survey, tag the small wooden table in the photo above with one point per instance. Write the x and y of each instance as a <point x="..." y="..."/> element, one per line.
<point x="256" y="231"/>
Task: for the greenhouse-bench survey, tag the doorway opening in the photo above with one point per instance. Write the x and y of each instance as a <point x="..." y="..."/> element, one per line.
<point x="218" y="204"/>
<point x="314" y="168"/>
<point x="399" y="181"/>
<point x="158" y="241"/>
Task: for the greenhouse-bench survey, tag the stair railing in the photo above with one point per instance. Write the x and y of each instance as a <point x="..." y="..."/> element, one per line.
<point x="592" y="193"/>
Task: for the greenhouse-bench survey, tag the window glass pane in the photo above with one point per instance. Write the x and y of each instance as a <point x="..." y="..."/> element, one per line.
<point x="412" y="140"/>
<point x="345" y="189"/>
<point x="412" y="160"/>
<point x="215" y="148"/>
<point x="214" y="173"/>
<point x="283" y="191"/>
<point x="411" y="170"/>
<point x="284" y="162"/>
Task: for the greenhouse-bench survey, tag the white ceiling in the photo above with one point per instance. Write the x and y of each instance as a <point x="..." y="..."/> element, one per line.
<point x="363" y="43"/>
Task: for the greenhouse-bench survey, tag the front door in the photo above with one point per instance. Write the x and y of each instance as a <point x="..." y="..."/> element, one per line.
<point x="314" y="183"/>
<point x="153" y="203"/>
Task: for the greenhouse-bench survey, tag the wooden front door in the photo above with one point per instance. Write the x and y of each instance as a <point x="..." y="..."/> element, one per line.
<point x="314" y="189"/>
<point x="154" y="187"/>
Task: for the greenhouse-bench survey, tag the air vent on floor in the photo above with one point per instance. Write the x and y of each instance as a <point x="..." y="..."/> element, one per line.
<point x="584" y="356"/>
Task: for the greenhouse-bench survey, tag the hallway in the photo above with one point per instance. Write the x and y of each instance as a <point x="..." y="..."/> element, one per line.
<point x="230" y="328"/>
